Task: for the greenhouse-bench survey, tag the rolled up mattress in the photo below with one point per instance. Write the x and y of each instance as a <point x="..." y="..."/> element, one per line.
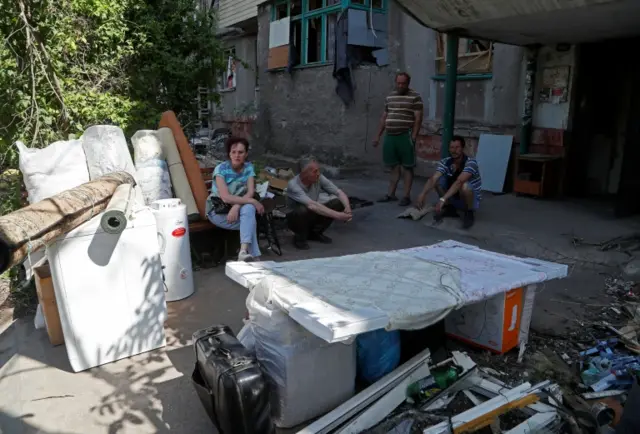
<point x="179" y="179"/>
<point x="191" y="166"/>
<point x="29" y="229"/>
<point x="115" y="216"/>
<point x="153" y="178"/>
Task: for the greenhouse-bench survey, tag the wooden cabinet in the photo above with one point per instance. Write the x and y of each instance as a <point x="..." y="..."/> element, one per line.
<point x="538" y="175"/>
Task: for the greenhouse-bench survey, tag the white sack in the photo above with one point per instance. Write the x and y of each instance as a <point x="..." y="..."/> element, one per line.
<point x="48" y="171"/>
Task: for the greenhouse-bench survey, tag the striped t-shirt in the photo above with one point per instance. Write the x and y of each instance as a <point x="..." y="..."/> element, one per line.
<point x="401" y="111"/>
<point x="470" y="165"/>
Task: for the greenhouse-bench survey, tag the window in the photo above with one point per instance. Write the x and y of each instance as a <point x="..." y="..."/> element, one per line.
<point x="228" y="76"/>
<point x="474" y="56"/>
<point x="313" y="24"/>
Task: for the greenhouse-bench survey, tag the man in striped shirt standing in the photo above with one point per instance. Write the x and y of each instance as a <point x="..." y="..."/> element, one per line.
<point x="457" y="181"/>
<point x="400" y="125"/>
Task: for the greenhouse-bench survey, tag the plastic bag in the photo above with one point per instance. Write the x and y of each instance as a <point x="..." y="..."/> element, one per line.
<point x="245" y="336"/>
<point x="378" y="354"/>
<point x="308" y="376"/>
<point x="39" y="321"/>
<point x="146" y="146"/>
<point x="106" y="149"/>
<point x="153" y="178"/>
<point x="48" y="171"/>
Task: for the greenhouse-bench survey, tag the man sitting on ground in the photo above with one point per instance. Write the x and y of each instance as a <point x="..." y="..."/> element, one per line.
<point x="308" y="218"/>
<point x="457" y="182"/>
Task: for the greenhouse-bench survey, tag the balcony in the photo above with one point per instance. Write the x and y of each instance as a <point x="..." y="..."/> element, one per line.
<point x="236" y="12"/>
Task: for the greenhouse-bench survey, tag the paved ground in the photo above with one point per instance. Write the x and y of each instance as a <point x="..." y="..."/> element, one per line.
<point x="151" y="393"/>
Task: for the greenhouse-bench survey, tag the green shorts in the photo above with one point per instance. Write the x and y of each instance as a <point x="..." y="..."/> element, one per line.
<point x="399" y="150"/>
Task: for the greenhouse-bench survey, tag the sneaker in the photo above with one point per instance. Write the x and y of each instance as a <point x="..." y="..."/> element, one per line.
<point x="468" y="219"/>
<point x="244" y="256"/>
<point x="321" y="238"/>
<point x="405" y="201"/>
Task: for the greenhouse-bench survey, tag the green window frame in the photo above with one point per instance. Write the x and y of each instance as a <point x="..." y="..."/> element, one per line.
<point x="323" y="10"/>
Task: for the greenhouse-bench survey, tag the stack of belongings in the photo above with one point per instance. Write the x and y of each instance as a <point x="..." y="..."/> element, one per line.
<point x="66" y="164"/>
<point x="89" y="217"/>
<point x="161" y="173"/>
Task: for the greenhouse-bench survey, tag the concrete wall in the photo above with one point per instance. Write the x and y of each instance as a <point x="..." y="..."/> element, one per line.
<point x="304" y="115"/>
<point x="241" y="101"/>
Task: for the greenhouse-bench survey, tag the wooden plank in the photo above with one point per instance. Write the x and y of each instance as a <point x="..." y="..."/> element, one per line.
<point x="278" y="57"/>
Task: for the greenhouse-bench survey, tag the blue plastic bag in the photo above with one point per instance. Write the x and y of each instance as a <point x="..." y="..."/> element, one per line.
<point x="378" y="353"/>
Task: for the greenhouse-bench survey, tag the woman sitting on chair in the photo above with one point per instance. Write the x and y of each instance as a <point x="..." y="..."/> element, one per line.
<point x="233" y="202"/>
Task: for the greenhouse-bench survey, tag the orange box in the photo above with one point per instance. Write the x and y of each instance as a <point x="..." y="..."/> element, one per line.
<point x="47" y="299"/>
<point x="493" y="324"/>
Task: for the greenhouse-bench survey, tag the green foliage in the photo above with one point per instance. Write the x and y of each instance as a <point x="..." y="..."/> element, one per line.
<point x="69" y="64"/>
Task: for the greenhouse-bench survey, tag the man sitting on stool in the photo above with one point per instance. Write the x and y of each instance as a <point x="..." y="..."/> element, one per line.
<point x="308" y="218"/>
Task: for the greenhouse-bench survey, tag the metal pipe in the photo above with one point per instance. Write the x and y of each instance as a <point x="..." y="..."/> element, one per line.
<point x="448" y="121"/>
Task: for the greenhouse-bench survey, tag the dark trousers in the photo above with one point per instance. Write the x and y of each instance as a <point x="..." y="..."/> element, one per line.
<point x="302" y="221"/>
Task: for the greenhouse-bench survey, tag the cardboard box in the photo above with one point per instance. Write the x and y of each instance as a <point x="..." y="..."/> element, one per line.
<point x="277" y="183"/>
<point x="495" y="323"/>
<point x="47" y="300"/>
<point x="278" y="57"/>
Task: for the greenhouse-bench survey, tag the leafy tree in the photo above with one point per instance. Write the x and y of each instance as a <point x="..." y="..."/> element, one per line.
<point x="68" y="64"/>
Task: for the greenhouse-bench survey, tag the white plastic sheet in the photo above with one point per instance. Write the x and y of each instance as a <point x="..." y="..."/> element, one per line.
<point x="106" y="149"/>
<point x="308" y="375"/>
<point x="146" y="146"/>
<point x="338" y="298"/>
<point x="154" y="180"/>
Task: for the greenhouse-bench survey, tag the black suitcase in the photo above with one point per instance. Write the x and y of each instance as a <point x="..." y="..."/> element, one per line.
<point x="230" y="383"/>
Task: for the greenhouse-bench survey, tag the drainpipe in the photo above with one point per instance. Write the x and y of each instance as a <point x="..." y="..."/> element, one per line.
<point x="531" y="59"/>
<point x="448" y="121"/>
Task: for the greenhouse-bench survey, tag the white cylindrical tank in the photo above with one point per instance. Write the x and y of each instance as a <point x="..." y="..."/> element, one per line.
<point x="175" y="251"/>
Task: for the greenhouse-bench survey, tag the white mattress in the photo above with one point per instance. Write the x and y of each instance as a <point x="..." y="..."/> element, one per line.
<point x="338" y="298"/>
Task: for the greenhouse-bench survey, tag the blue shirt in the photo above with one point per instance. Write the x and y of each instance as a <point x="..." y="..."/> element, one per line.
<point x="236" y="182"/>
<point x="445" y="166"/>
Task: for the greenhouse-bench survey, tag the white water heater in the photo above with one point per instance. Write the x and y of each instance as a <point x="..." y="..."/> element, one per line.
<point x="175" y="250"/>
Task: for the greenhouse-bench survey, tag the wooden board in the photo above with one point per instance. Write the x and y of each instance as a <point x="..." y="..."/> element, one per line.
<point x="278" y="57"/>
<point x="47" y="300"/>
<point x="191" y="166"/>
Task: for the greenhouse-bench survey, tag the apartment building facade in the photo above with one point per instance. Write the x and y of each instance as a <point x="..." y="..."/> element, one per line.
<point x="309" y="52"/>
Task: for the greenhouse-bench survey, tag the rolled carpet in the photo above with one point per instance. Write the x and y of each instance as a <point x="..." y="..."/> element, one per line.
<point x="179" y="179"/>
<point x="191" y="166"/>
<point x="31" y="228"/>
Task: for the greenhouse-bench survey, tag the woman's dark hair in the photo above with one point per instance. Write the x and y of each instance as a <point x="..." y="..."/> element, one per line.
<point x="234" y="141"/>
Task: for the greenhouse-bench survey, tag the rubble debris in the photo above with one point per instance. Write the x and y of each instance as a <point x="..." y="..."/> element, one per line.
<point x="621" y="288"/>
